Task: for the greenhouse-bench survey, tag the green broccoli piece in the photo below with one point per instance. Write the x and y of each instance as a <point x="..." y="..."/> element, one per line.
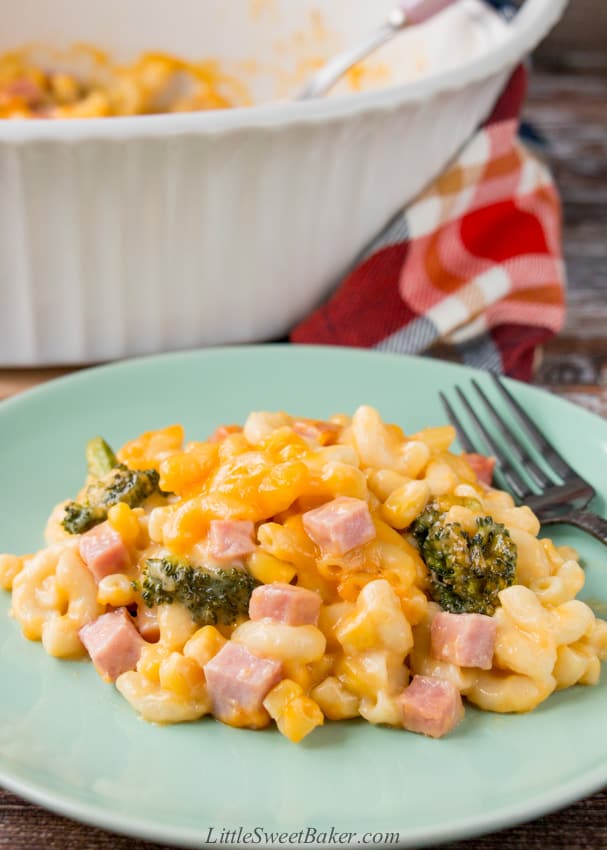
<point x="211" y="596"/>
<point x="109" y="485"/>
<point x="132" y="486"/>
<point x="79" y="518"/>
<point x="467" y="571"/>
<point x="100" y="459"/>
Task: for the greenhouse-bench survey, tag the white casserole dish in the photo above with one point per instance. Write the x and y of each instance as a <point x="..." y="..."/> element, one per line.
<point x="125" y="236"/>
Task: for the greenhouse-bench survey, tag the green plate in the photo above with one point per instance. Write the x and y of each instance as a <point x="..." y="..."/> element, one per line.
<point x="71" y="743"/>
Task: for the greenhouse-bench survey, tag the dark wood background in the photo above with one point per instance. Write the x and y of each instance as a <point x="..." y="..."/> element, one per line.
<point x="568" y="104"/>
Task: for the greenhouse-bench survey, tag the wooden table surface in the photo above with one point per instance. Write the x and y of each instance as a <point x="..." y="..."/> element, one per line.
<point x="570" y="108"/>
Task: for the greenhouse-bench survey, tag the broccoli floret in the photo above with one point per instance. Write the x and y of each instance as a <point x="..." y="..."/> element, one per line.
<point x="109" y="485"/>
<point x="211" y="596"/>
<point x="100" y="459"/>
<point x="467" y="571"/>
<point x="79" y="518"/>
<point x="424" y="522"/>
<point x="131" y="486"/>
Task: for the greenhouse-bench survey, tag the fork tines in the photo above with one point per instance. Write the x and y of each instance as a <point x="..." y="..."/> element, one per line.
<point x="512" y="446"/>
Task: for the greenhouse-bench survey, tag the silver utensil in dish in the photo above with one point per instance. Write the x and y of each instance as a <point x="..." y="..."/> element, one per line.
<point x="407" y="13"/>
<point x="560" y="496"/>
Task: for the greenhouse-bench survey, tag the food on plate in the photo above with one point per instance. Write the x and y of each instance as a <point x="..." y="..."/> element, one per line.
<point x="297" y="570"/>
<point x="83" y="82"/>
<point x="466" y="568"/>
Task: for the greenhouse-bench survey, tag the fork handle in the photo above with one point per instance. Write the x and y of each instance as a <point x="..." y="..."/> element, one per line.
<point x="419" y="11"/>
<point x="586" y="520"/>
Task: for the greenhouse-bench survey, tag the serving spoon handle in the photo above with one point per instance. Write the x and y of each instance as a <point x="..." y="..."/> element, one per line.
<point x="406" y="13"/>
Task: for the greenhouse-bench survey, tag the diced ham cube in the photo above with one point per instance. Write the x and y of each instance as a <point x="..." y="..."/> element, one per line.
<point x="146" y="623"/>
<point x="24" y="89"/>
<point x="481" y="465"/>
<point x="321" y="432"/>
<point x="285" y="603"/>
<point x="431" y="706"/>
<point x="223" y="431"/>
<point x="467" y="640"/>
<point x="103" y="551"/>
<point x="340" y="525"/>
<point x="231" y="538"/>
<point x="238" y="681"/>
<point x="113" y="643"/>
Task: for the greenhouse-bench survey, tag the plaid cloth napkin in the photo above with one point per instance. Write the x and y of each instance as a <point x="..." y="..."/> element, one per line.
<point x="470" y="271"/>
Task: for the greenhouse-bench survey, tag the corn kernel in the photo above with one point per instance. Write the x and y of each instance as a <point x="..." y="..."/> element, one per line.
<point x="267" y="569"/>
<point x="335" y="700"/>
<point x="319" y="670"/>
<point x="351" y="672"/>
<point x="299" y="718"/>
<point x="299" y="673"/>
<point x="124" y="522"/>
<point x="183" y="676"/>
<point x="150" y="660"/>
<point x="203" y="645"/>
<point x="357" y="631"/>
<point x="280" y="696"/>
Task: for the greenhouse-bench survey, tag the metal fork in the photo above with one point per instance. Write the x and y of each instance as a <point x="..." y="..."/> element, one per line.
<point x="559" y="497"/>
<point x="406" y="13"/>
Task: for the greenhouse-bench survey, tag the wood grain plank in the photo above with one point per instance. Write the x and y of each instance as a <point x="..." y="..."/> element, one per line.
<point x="583" y="826"/>
<point x="582" y="30"/>
<point x="13" y="381"/>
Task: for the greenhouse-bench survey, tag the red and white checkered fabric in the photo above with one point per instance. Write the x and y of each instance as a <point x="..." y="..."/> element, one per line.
<point x="471" y="271"/>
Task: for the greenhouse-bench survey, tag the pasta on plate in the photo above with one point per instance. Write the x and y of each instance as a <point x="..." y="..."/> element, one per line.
<point x="296" y="571"/>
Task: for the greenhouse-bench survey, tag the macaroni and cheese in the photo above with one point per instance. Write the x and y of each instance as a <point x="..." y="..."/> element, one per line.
<point x="296" y="571"/>
<point x="84" y="83"/>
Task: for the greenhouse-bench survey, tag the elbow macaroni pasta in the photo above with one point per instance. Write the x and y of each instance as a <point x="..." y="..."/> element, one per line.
<point x="374" y="628"/>
<point x="35" y="83"/>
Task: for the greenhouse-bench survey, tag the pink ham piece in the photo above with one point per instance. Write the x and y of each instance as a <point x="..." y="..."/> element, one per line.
<point x="285" y="603"/>
<point x="230" y="539"/>
<point x="238" y="681"/>
<point x="113" y="643"/>
<point x="340" y="525"/>
<point x="482" y="466"/>
<point x="223" y="431"/>
<point x="103" y="551"/>
<point x="146" y="623"/>
<point x="25" y="89"/>
<point x="431" y="706"/>
<point x="321" y="432"/>
<point x="467" y="640"/>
